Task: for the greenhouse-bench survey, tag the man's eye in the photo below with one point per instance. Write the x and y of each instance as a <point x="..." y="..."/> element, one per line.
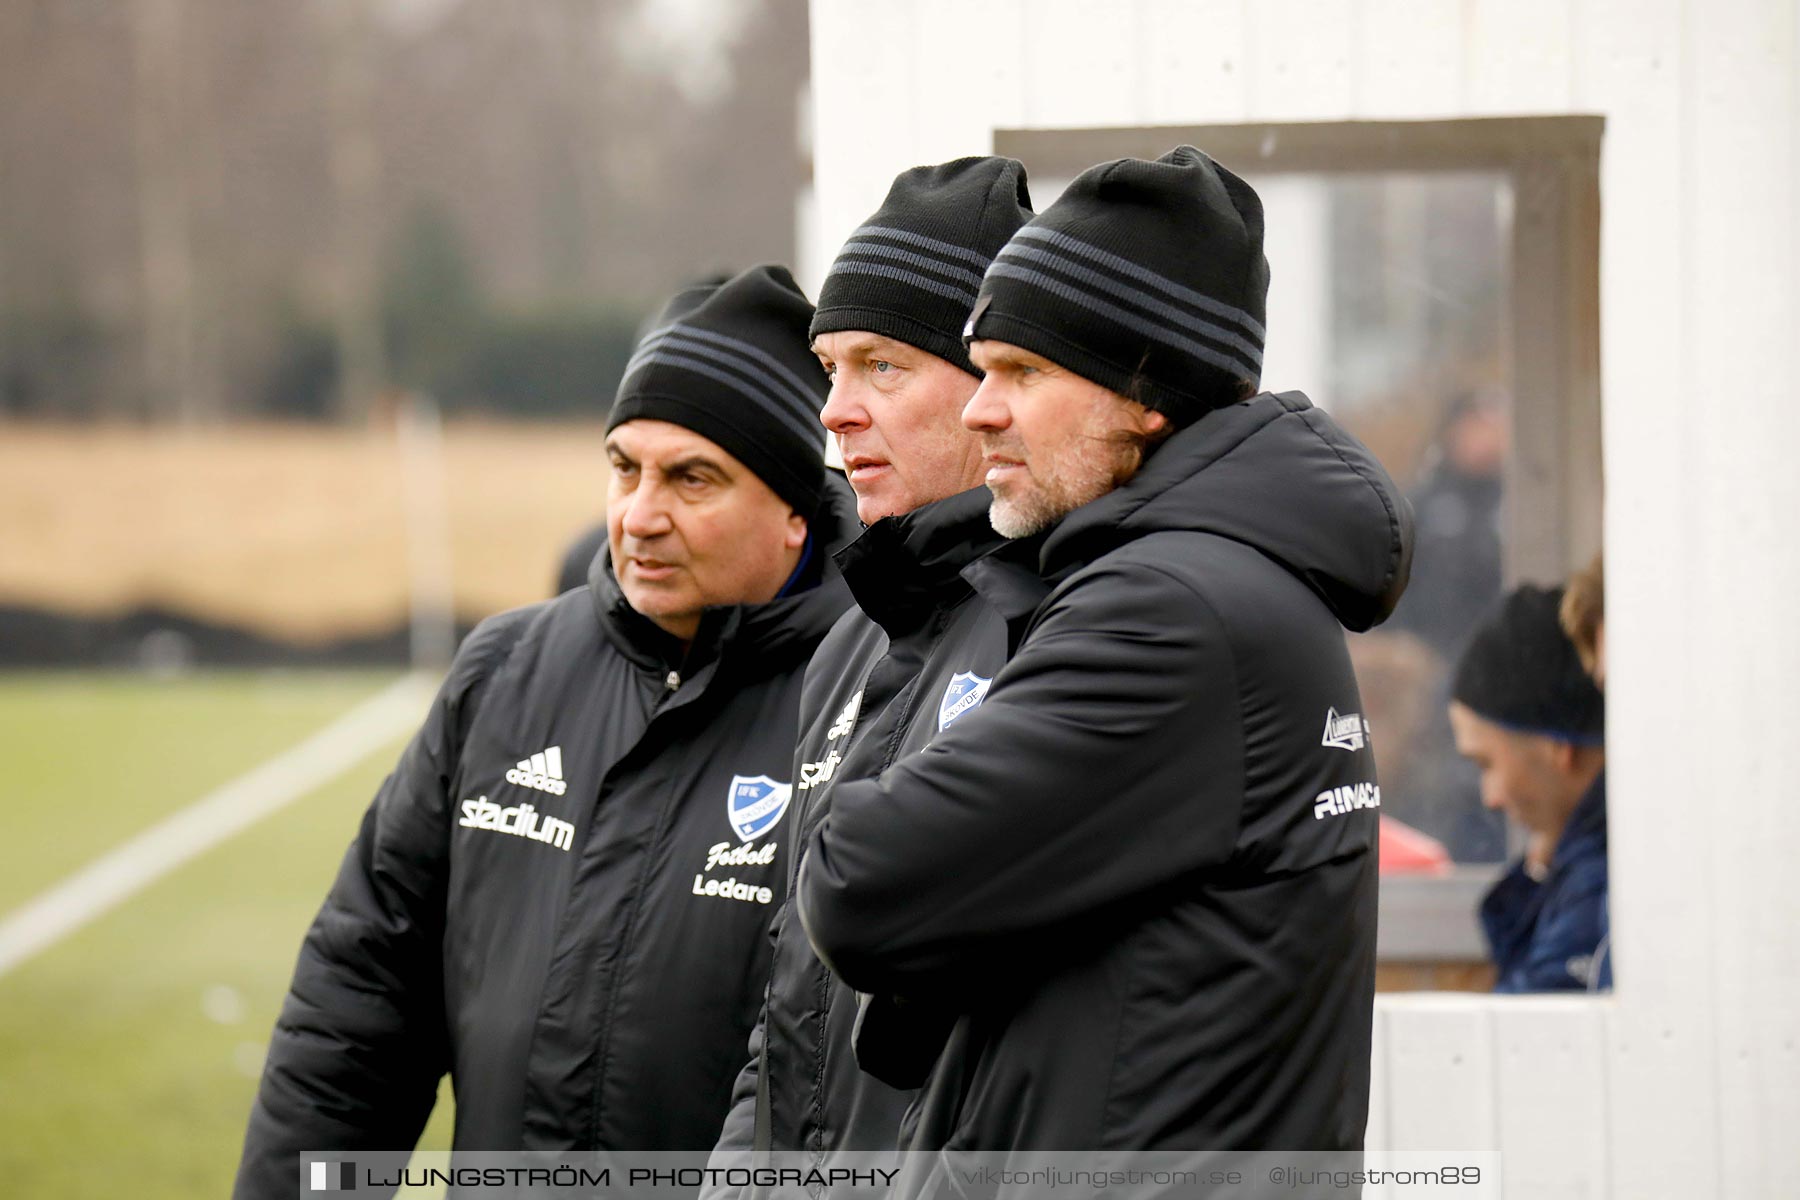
<point x="881" y="366"/>
<point x="830" y="370"/>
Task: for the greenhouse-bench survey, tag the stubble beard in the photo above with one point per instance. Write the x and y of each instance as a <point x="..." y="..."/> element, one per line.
<point x="1055" y="486"/>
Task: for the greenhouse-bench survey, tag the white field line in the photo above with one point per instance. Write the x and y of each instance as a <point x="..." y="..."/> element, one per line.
<point x="210" y="820"/>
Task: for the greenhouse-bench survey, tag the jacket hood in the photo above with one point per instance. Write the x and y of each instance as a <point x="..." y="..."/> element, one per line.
<point x="1276" y="474"/>
<point x="770" y="636"/>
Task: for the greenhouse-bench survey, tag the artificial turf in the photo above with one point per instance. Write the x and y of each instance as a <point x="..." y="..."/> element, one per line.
<point x="129" y="1051"/>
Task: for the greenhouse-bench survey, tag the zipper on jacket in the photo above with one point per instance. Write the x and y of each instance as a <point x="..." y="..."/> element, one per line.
<point x="673" y="682"/>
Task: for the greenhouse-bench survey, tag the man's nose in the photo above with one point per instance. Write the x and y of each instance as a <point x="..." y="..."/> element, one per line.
<point x="844" y="411"/>
<point x="986" y="412"/>
<point x="646" y="511"/>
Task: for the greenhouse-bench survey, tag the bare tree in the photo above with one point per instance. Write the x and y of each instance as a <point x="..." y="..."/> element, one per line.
<point x="356" y="194"/>
<point x="162" y="195"/>
<point x="196" y="194"/>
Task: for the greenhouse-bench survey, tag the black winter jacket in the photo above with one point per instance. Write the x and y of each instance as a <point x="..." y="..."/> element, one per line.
<point x="562" y="895"/>
<point x="1144" y="870"/>
<point x="918" y="657"/>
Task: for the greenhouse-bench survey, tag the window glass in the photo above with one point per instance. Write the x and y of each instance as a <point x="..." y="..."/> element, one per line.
<point x="1389" y="306"/>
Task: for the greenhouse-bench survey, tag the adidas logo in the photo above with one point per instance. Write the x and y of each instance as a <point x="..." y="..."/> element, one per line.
<point x="542" y="771"/>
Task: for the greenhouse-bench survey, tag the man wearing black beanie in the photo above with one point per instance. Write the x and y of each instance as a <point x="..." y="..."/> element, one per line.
<point x="579" y="557"/>
<point x="1527" y="714"/>
<point x="918" y="653"/>
<point x="888" y="331"/>
<point x="1143" y="872"/>
<point x="561" y="897"/>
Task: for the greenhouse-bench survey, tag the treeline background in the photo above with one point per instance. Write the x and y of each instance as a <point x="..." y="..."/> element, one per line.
<point x="213" y="210"/>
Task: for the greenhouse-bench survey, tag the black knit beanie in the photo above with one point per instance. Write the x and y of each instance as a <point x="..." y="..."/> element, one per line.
<point x="735" y="368"/>
<point x="680" y="304"/>
<point x="1520" y="670"/>
<point x="1147" y="278"/>
<point x="912" y="271"/>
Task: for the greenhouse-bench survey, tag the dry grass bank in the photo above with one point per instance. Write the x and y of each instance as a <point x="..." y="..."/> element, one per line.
<point x="294" y="531"/>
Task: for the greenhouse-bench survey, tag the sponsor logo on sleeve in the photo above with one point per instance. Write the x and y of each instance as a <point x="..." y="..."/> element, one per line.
<point x="1334" y="802"/>
<point x="963" y="696"/>
<point x="1348" y="732"/>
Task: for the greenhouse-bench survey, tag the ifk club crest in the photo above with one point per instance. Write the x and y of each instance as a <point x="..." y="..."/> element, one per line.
<point x="965" y="692"/>
<point x="755" y="804"/>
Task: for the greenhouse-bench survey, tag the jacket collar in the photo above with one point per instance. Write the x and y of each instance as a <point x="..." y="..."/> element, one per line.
<point x="1587" y="824"/>
<point x="904" y="568"/>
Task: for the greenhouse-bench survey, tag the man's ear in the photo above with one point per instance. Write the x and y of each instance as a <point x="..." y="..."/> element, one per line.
<point x="796" y="531"/>
<point x="1563" y="755"/>
<point x="1154" y="421"/>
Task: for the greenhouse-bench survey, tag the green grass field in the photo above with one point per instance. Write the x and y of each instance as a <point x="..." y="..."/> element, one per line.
<point x="129" y="1051"/>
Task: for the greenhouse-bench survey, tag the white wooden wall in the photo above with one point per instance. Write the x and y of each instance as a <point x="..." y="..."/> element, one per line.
<point x="1686" y="1082"/>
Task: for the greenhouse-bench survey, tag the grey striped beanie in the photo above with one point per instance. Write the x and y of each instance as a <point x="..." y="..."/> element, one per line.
<point x="735" y="369"/>
<point x="911" y="272"/>
<point x="1146" y="277"/>
<point x="680" y="304"/>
